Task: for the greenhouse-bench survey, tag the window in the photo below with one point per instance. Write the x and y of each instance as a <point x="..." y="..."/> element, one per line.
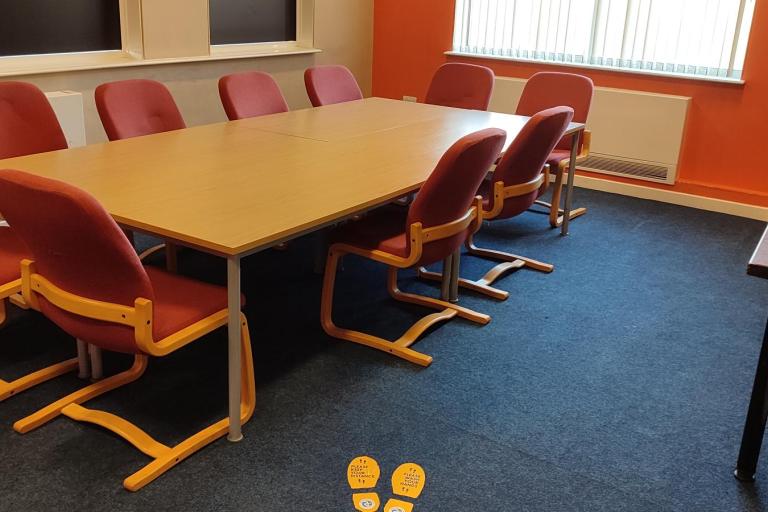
<point x="252" y="21"/>
<point x="49" y="36"/>
<point x="29" y="27"/>
<point x="697" y="38"/>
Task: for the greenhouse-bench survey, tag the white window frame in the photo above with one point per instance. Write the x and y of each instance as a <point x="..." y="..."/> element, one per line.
<point x="134" y="53"/>
<point x="583" y="65"/>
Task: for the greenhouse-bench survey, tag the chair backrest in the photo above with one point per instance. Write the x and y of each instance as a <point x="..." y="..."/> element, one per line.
<point x="526" y="155"/>
<point x="132" y="108"/>
<point x="27" y="122"/>
<point x="550" y="89"/>
<point x="77" y="246"/>
<point x="12" y="251"/>
<point x="250" y="94"/>
<point x="461" y="86"/>
<point x="448" y="193"/>
<point x="327" y="85"/>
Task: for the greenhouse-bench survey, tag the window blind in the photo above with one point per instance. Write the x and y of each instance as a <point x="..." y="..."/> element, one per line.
<point x="689" y="37"/>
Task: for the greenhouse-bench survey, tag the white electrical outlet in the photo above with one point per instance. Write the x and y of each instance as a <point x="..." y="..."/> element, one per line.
<point x="412" y="99"/>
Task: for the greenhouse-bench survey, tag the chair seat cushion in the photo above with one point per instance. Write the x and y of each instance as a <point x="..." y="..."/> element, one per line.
<point x="179" y="302"/>
<point x="12" y="251"/>
<point x="557" y="156"/>
<point x="383" y="230"/>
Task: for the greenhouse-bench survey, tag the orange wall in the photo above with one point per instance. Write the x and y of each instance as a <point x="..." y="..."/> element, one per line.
<point x="727" y="124"/>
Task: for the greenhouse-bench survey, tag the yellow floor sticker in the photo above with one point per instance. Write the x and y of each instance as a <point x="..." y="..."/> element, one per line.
<point x="363" y="473"/>
<point x="394" y="505"/>
<point x="366" y="502"/>
<point x="408" y="480"/>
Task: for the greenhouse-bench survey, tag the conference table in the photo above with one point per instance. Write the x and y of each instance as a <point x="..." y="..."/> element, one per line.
<point x="236" y="188"/>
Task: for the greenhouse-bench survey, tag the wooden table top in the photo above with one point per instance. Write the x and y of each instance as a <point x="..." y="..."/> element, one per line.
<point x="758" y="264"/>
<point x="353" y="119"/>
<point x="237" y="187"/>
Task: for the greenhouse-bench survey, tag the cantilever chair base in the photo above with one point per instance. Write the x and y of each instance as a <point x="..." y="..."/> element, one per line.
<point x="164" y="457"/>
<point x="482" y="285"/>
<point x="401" y="346"/>
<point x="8" y="389"/>
<point x="14" y="387"/>
<point x="557" y="214"/>
<point x="510" y="262"/>
<point x="140" y="317"/>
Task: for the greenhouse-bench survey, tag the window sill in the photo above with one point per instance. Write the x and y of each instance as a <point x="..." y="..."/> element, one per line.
<point x="662" y="74"/>
<point x="67" y="62"/>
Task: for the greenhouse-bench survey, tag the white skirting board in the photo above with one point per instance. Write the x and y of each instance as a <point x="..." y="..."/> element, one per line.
<point x="669" y="196"/>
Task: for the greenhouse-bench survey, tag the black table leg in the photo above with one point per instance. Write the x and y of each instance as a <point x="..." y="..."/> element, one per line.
<point x="752" y="439"/>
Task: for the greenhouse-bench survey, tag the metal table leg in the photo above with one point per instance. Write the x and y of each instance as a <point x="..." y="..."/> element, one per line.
<point x="454" y="281"/>
<point x="233" y="328"/>
<point x="171" y="257"/>
<point x="83" y="364"/>
<point x="754" y="428"/>
<point x="575" y="141"/>
<point x="97" y="371"/>
<point x="322" y="242"/>
<point x="445" y="284"/>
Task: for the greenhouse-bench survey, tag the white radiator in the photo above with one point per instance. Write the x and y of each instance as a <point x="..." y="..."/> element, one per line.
<point x="634" y="134"/>
<point x="68" y="106"/>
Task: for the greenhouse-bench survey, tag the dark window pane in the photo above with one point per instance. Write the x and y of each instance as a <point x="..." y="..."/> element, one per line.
<point x="29" y="27"/>
<point x="252" y="21"/>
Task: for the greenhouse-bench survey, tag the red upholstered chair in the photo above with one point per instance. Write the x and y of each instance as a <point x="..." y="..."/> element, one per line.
<point x="27" y="122"/>
<point x="27" y="125"/>
<point x="461" y="85"/>
<point x="85" y="276"/>
<point x="327" y="85"/>
<point x="443" y="215"/>
<point x="513" y="188"/>
<point x="132" y="108"/>
<point x="547" y="90"/>
<point x="250" y="94"/>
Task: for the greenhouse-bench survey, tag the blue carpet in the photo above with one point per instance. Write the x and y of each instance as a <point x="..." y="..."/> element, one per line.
<point x="619" y="382"/>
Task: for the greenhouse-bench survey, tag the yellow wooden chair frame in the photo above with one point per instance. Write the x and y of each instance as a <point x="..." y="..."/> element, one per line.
<point x="510" y="261"/>
<point x="557" y="214"/>
<point x="418" y="237"/>
<point x="10" y="291"/>
<point x="6" y="292"/>
<point x="140" y="317"/>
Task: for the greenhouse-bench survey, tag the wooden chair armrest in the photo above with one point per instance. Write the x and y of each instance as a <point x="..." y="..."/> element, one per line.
<point x="586" y="146"/>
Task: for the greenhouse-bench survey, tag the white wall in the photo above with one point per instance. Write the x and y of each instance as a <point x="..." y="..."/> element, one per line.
<point x="343" y="30"/>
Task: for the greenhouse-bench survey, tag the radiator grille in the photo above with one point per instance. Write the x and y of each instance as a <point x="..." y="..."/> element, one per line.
<point x="626" y="168"/>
